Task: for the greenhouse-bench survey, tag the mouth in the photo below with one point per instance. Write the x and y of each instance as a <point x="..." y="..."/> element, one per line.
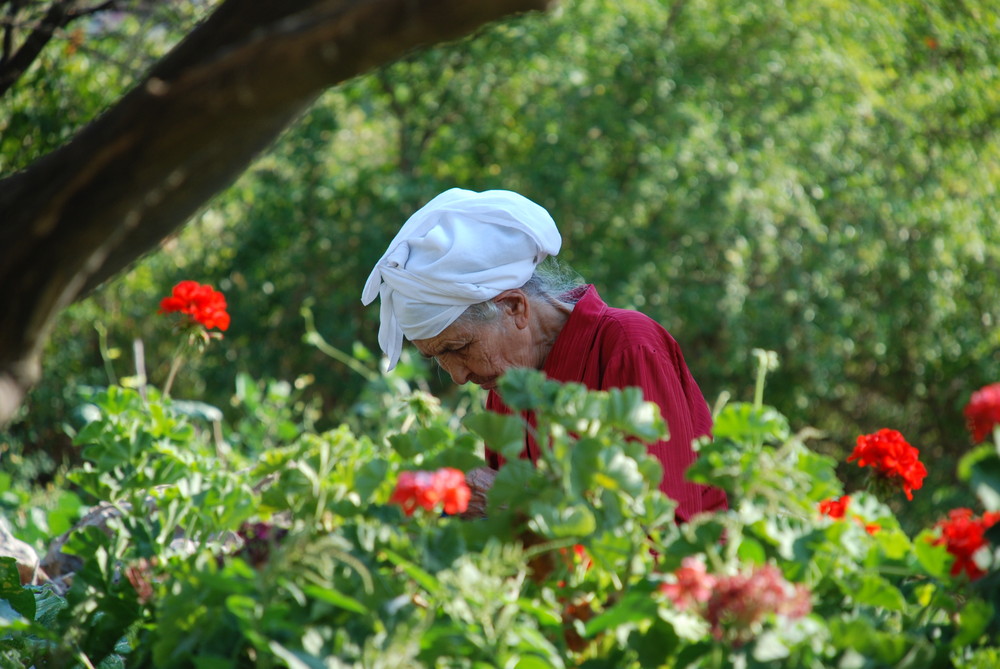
<point x="489" y="385"/>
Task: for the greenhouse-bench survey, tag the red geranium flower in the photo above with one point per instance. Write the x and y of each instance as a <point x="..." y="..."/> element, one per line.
<point x="982" y="412"/>
<point x="455" y="492"/>
<point x="887" y="452"/>
<point x="870" y="528"/>
<point x="202" y="303"/>
<point x="446" y="486"/>
<point x="835" y="508"/>
<point x="962" y="534"/>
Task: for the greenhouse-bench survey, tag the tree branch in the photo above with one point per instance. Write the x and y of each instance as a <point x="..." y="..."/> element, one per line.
<point x="16" y="65"/>
<point x="8" y="33"/>
<point x="84" y="212"/>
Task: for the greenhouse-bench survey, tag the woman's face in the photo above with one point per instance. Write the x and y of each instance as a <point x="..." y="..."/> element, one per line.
<point x="480" y="352"/>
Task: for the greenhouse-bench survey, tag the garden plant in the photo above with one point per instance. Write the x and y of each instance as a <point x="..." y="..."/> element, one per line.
<point x="345" y="548"/>
<point x="214" y="469"/>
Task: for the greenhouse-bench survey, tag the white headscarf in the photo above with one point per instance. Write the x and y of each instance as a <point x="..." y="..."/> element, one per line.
<point x="459" y="249"/>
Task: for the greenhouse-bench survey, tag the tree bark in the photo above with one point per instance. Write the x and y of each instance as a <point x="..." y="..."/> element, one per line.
<point x="84" y="212"/>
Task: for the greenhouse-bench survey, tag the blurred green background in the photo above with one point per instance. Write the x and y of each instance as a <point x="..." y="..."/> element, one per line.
<point x="814" y="177"/>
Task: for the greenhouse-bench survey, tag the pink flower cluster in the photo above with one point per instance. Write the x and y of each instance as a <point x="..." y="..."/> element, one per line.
<point x="445" y="486"/>
<point x="736" y="603"/>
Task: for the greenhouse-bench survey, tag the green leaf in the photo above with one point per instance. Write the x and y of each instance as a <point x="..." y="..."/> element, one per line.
<point x="526" y="389"/>
<point x="543" y="654"/>
<point x="769" y="647"/>
<point x="295" y="659"/>
<point x="504" y="434"/>
<point x="635" y="607"/>
<point x="873" y="590"/>
<point x="935" y="559"/>
<point x="406" y="445"/>
<point x="893" y="542"/>
<point x="585" y="461"/>
<point x="513" y="484"/>
<point x="48" y="605"/>
<point x="985" y="481"/>
<point x="540" y="612"/>
<point x="751" y="550"/>
<point x="532" y="662"/>
<point x="973" y="620"/>
<point x="619" y="472"/>
<point x="196" y="409"/>
<point x="655" y="645"/>
<point x="369" y="477"/>
<point x="573" y="521"/>
<point x="459" y="458"/>
<point x="20" y="598"/>
<point x="8" y="614"/>
<point x="983" y="452"/>
<point x="423" y="578"/>
<point x="335" y="598"/>
<point x="627" y="411"/>
<point x="861" y="636"/>
<point x="742" y="423"/>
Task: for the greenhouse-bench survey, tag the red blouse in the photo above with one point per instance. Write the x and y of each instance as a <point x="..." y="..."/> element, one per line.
<point x="604" y="348"/>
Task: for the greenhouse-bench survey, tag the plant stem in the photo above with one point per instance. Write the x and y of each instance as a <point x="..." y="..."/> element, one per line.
<point x="139" y="353"/>
<point x="102" y="345"/>
<point x="758" y="393"/>
<point x="174" y="366"/>
<point x="313" y="337"/>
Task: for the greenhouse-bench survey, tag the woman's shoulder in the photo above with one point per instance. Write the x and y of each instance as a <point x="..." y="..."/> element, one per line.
<point x="625" y="332"/>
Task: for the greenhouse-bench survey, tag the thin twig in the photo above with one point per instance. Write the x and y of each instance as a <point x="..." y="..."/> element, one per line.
<point x="60" y="14"/>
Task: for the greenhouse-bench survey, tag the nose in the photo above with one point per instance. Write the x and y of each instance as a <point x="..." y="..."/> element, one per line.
<point x="459" y="373"/>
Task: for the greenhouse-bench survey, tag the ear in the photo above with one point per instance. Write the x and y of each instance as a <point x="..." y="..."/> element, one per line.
<point x="515" y="303"/>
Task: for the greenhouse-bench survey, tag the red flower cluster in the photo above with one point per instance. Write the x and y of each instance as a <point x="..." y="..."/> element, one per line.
<point x="202" y="303"/>
<point x="962" y="534"/>
<point x="836" y="509"/>
<point x="982" y="413"/>
<point x="892" y="458"/>
<point x="579" y="556"/>
<point x="736" y="603"/>
<point x="446" y="486"/>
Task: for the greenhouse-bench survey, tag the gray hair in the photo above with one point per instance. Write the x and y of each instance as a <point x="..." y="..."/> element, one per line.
<point x="552" y="281"/>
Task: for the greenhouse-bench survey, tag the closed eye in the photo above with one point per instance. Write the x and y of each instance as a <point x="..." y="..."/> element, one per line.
<point x="450" y="351"/>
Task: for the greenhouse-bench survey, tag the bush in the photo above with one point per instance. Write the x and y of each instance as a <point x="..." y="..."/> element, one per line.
<point x="302" y="556"/>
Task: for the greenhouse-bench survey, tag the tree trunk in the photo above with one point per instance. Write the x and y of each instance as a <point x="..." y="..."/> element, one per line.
<point x="84" y="212"/>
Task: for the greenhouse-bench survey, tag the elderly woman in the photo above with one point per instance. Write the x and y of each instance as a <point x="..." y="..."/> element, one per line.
<point x="461" y="282"/>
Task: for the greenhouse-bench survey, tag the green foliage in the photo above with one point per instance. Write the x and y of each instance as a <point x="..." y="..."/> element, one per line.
<point x="816" y="179"/>
<point x="36" y="514"/>
<point x="298" y="557"/>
